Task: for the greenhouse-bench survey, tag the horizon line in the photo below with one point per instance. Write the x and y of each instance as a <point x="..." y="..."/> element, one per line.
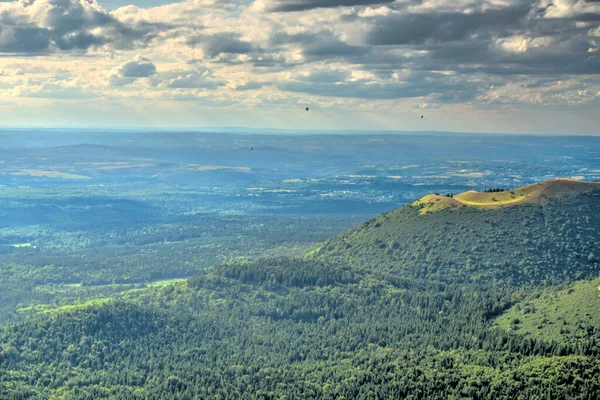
<point x="289" y="131"/>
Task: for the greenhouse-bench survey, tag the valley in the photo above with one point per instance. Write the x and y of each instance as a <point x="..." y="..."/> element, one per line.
<point x="132" y="291"/>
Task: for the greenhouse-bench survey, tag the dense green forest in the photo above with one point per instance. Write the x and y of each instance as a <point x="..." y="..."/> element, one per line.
<point x="292" y="329"/>
<point x="437" y="306"/>
<point x="512" y="245"/>
<point x="54" y="266"/>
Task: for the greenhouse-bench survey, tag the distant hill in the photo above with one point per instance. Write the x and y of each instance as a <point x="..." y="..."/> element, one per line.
<point x="542" y="233"/>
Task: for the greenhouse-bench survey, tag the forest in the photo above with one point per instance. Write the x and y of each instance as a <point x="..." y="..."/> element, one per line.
<point x="325" y="324"/>
<point x="186" y="266"/>
<point x="60" y="267"/>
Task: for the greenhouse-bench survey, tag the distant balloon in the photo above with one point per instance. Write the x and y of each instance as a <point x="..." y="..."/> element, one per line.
<point x="421" y="117"/>
<point x="307" y="108"/>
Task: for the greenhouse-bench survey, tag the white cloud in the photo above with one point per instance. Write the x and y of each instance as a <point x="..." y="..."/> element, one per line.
<point x="514" y="44"/>
<point x="50" y="88"/>
<point x="568" y="8"/>
<point x="374" y="12"/>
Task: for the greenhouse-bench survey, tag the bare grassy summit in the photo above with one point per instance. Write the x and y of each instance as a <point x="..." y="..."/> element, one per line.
<point x="538" y="193"/>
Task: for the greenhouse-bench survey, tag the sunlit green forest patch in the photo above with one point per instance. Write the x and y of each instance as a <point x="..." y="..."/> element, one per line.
<point x="565" y="313"/>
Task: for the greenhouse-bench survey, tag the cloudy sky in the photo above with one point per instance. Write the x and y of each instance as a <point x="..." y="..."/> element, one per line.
<point x="523" y="66"/>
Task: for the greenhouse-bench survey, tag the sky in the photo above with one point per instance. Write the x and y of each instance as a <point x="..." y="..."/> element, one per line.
<point x="504" y="66"/>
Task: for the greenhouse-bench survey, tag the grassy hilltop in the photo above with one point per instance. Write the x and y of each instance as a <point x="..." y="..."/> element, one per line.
<point x="539" y="194"/>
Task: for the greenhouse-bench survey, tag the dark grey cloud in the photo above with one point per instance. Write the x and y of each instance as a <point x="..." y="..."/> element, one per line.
<point x="442" y="88"/>
<point x="222" y="43"/>
<point x="321" y="45"/>
<point x="567" y="56"/>
<point x="139" y="68"/>
<point x="375" y="91"/>
<point x="20" y="39"/>
<point x="588" y="17"/>
<point x="479" y="41"/>
<point x="303" y="5"/>
<point x="66" y="25"/>
<point x="416" y="29"/>
<point x="130" y="71"/>
<point x="273" y="62"/>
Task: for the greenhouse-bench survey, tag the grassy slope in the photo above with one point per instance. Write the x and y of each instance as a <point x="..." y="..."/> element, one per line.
<point x="75" y="297"/>
<point x="557" y="314"/>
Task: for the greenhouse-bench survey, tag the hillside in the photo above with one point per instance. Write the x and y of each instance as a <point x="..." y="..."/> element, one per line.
<point x="567" y="313"/>
<point x="289" y="329"/>
<point x="540" y="233"/>
<point x="448" y="304"/>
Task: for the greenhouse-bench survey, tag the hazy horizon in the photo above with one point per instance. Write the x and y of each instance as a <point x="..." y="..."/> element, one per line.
<point x="225" y="130"/>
